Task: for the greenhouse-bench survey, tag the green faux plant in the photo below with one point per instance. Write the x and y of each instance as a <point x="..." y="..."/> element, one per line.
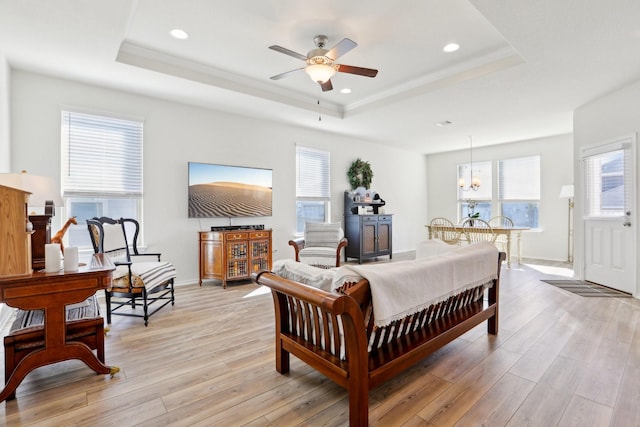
<point x="360" y="174"/>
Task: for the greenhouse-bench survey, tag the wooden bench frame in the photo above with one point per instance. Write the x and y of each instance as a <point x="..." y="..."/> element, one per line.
<point x="306" y="318"/>
<point x="22" y="342"/>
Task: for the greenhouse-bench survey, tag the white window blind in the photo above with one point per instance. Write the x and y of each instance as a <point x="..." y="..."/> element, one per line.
<point x="607" y="183"/>
<point x="519" y="178"/>
<point x="101" y="156"/>
<point x="313" y="174"/>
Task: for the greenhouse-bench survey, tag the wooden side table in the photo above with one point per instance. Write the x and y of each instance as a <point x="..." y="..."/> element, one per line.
<point x="51" y="292"/>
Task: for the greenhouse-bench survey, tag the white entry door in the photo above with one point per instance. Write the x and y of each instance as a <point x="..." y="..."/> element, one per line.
<point x="609" y="214"/>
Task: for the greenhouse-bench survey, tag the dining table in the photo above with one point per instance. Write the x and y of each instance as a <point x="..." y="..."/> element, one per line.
<point x="508" y="232"/>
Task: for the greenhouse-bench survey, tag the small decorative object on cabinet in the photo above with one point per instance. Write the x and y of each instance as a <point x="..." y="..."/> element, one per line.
<point x="370" y="233"/>
<point x="229" y="255"/>
<point x="41" y="236"/>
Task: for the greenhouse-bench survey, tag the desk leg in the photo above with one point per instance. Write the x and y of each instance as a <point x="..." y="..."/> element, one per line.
<point x="56" y="349"/>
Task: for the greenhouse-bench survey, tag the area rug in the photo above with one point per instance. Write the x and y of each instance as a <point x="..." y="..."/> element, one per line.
<point x="587" y="289"/>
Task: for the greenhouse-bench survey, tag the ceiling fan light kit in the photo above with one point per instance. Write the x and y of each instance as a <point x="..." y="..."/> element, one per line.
<point x="320" y="73"/>
<point x="320" y="62"/>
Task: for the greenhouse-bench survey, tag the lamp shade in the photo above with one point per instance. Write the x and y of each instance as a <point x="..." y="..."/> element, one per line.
<point x="566" y="192"/>
<point x="42" y="188"/>
<point x="320" y="72"/>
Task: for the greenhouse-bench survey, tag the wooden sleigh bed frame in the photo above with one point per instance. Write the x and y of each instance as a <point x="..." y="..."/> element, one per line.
<point x="335" y="333"/>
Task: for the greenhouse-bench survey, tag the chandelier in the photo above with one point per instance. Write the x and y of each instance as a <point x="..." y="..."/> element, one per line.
<point x="475" y="181"/>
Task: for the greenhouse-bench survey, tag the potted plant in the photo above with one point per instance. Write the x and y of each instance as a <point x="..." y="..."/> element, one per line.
<point x="472" y="214"/>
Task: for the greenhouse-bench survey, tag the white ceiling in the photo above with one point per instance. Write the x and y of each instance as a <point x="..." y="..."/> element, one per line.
<point x="522" y="68"/>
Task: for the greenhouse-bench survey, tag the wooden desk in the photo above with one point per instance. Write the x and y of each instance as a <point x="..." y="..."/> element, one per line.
<point x="52" y="292"/>
<point x="506" y="231"/>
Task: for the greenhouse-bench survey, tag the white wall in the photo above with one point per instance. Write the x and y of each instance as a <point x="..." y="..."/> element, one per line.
<point x="5" y="152"/>
<point x="176" y="134"/>
<point x="551" y="241"/>
<point x="599" y="121"/>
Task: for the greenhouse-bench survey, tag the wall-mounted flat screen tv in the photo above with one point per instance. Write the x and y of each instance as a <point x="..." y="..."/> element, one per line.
<point x="229" y="191"/>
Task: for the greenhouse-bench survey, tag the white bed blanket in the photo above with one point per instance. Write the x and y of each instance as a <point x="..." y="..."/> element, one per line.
<point x="400" y="289"/>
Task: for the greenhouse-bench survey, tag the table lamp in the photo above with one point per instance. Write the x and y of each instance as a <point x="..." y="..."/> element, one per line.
<point x="44" y="195"/>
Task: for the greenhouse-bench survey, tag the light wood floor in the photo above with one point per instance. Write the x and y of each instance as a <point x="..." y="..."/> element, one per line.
<point x="559" y="360"/>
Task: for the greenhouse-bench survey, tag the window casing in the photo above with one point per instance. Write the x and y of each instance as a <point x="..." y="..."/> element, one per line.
<point x="101" y="169"/>
<point x="313" y="186"/>
<point x="518" y="190"/>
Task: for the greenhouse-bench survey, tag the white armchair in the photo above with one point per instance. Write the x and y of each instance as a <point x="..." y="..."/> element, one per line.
<point x="321" y="244"/>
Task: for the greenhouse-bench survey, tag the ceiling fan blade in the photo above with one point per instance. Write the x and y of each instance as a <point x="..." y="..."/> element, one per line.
<point x="367" y="72"/>
<point x="341" y="48"/>
<point x="285" y="74"/>
<point x="288" y="52"/>
<point x="326" y="86"/>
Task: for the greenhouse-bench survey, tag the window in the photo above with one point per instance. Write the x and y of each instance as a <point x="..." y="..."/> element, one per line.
<point x="519" y="190"/>
<point x="478" y="200"/>
<point x="101" y="170"/>
<point x="606" y="195"/>
<point x="313" y="186"/>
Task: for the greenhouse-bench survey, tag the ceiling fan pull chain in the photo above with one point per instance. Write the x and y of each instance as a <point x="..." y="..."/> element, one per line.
<point x="319" y="113"/>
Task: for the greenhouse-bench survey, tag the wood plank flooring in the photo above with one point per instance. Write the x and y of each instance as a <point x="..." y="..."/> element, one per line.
<point x="558" y="360"/>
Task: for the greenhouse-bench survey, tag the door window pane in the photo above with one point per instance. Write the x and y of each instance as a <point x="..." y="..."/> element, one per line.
<point x="604" y="175"/>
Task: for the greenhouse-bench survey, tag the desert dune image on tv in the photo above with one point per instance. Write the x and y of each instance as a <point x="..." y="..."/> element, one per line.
<point x="228" y="191"/>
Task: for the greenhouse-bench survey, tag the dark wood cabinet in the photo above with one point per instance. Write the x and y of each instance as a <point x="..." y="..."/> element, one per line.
<point x="40" y="237"/>
<point x="369" y="235"/>
<point x="233" y="254"/>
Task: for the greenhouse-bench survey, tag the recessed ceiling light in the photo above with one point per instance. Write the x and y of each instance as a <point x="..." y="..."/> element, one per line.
<point x="451" y="47"/>
<point x="443" y="123"/>
<point x="179" y="34"/>
<point x="345" y="90"/>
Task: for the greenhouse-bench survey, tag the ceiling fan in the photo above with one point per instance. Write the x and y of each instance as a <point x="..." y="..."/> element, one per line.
<point x="321" y="64"/>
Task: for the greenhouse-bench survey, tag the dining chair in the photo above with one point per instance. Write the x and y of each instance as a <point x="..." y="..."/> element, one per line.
<point x="444" y="229"/>
<point x="478" y="230"/>
<point x="503" y="222"/>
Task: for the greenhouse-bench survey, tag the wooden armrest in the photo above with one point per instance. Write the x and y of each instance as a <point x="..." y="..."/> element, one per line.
<point x="298" y="245"/>
<point x="343" y="243"/>
<point x="123" y="263"/>
<point x="155" y="255"/>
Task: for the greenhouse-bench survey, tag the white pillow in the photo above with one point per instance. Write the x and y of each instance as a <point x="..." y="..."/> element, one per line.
<point x="322" y="234"/>
<point x="320" y="278"/>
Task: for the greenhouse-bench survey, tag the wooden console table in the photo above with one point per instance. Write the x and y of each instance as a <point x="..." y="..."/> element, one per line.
<point x="233" y="254"/>
<point x="51" y="292"/>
